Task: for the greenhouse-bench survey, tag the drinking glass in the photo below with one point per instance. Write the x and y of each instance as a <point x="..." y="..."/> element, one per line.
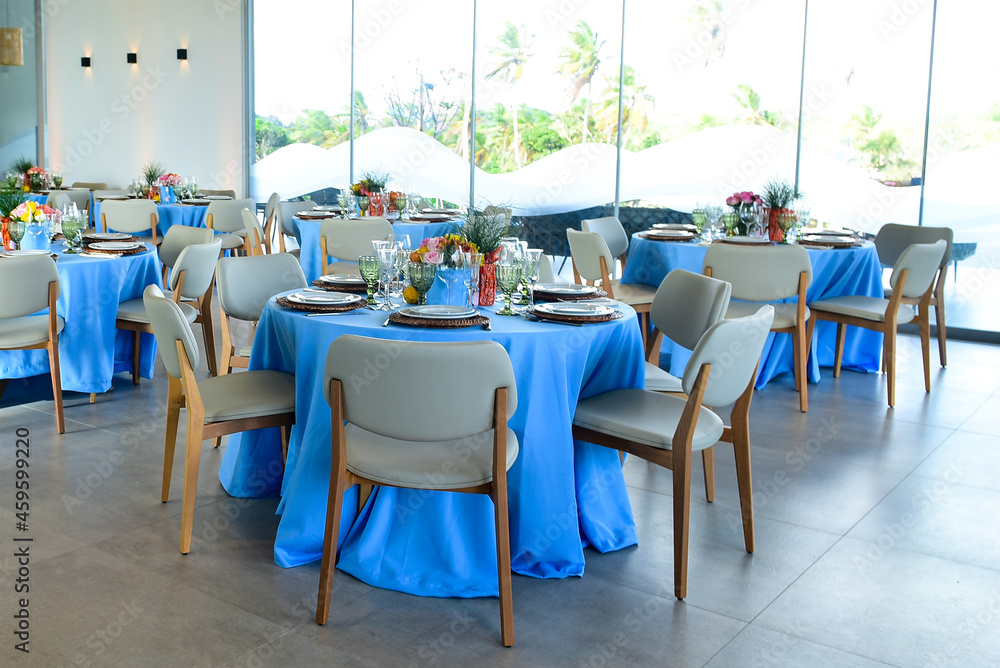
<point x="451" y="272"/>
<point x="71" y="227"/>
<point x="421" y="277"/>
<point x="532" y="264"/>
<point x="362" y="204"/>
<point x="472" y="262"/>
<point x="714" y="213"/>
<point x="16" y="230"/>
<point x="699" y="217"/>
<point x="786" y="220"/>
<point x="58" y="180"/>
<point x="342" y="203"/>
<point x="399" y="201"/>
<point x="508" y="276"/>
<point x="386" y="269"/>
<point x="368" y="264"/>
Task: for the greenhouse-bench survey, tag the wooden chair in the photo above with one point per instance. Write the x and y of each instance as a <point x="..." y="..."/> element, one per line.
<point x="177" y="238"/>
<point x="216" y="406"/>
<point x="892" y="240"/>
<point x="283" y="220"/>
<point x="347" y="240"/>
<point x="611" y="230"/>
<point x="137" y="217"/>
<point x="33" y="285"/>
<point x="225" y="217"/>
<point x="271" y="220"/>
<point x="593" y="263"/>
<point x="912" y="279"/>
<point x="768" y="274"/>
<point x="57" y="199"/>
<point x="190" y="281"/>
<point x="255" y="237"/>
<point x="89" y="185"/>
<point x="245" y="284"/>
<point x="666" y="430"/>
<point x="370" y="449"/>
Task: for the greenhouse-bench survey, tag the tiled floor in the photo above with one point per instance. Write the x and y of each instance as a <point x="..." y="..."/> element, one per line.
<point x="877" y="544"/>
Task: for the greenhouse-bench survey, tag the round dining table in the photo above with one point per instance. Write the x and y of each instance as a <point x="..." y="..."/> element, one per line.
<point x="836" y="272"/>
<point x="191" y="215"/>
<point x="307" y="234"/>
<point x="91" y="349"/>
<point x="564" y="495"/>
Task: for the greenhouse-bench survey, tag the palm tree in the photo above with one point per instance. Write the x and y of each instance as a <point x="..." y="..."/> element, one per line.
<point x="635" y="108"/>
<point x="580" y="62"/>
<point x="710" y="16"/>
<point x="509" y="57"/>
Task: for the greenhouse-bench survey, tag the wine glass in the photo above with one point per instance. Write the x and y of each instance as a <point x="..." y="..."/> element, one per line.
<point x="58" y="180"/>
<point x="16" y="230"/>
<point x="368" y="264"/>
<point x="342" y="203"/>
<point x="714" y="213"/>
<point x="362" y="204"/>
<point x="386" y="269"/>
<point x="472" y="262"/>
<point x="71" y="227"/>
<point x="786" y="220"/>
<point x="421" y="277"/>
<point x="532" y="265"/>
<point x="399" y="201"/>
<point x="508" y="276"/>
<point x="451" y="271"/>
<point x="699" y="217"/>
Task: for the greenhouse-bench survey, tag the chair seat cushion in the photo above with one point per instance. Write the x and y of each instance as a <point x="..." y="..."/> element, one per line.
<point x="230" y="241"/>
<point x="644" y="417"/>
<point x="465" y="462"/>
<point x="29" y="330"/>
<point x="859" y="306"/>
<point x="633" y="293"/>
<point x="134" y="311"/>
<point x="658" y="380"/>
<point x="248" y="394"/>
<point x="784" y="314"/>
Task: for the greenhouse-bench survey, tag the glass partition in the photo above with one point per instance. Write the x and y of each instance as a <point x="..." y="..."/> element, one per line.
<point x="19" y="91"/>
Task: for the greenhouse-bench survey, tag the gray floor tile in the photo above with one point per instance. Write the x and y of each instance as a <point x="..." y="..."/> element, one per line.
<point x="756" y="646"/>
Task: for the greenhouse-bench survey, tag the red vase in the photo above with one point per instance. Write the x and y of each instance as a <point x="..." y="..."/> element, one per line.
<point x="5" y="235"/>
<point x="774" y="231"/>
<point x="488" y="278"/>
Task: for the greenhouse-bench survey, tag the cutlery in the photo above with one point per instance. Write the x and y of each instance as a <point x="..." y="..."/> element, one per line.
<point x="386" y="323"/>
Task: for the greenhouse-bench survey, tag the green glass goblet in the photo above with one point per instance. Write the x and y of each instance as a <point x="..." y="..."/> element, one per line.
<point x="508" y="276"/>
<point x="368" y="264"/>
<point x="421" y="277"/>
<point x="15" y="229"/>
<point x="71" y="227"/>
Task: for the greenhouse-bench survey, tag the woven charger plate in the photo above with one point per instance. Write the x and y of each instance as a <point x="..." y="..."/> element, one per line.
<point x="134" y="251"/>
<point x="660" y="237"/>
<point x="88" y="238"/>
<point x="542" y="296"/>
<point x="353" y="288"/>
<point x="322" y="308"/>
<point x="442" y="323"/>
<point x="576" y="319"/>
<point x="829" y="243"/>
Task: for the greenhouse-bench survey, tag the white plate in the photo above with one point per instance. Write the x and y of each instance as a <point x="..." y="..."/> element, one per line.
<point x="116" y="245"/>
<point x="432" y="216"/>
<point x="674" y="226"/>
<point x="195" y="200"/>
<point x="826" y="239"/>
<point x="343" y="278"/>
<point x="211" y="197"/>
<point x="448" y="212"/>
<point x="672" y="234"/>
<point x="103" y="197"/>
<point x="575" y="309"/>
<point x="26" y="251"/>
<point x="565" y="289"/>
<point x="327" y="208"/>
<point x="815" y="230"/>
<point x="107" y="236"/>
<point x="747" y="241"/>
<point x="439" y="312"/>
<point x="327" y="299"/>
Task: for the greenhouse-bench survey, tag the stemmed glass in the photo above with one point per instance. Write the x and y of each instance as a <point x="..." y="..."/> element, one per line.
<point x="362" y="204"/>
<point x="714" y="213"/>
<point x="58" y="180"/>
<point x="16" y="230"/>
<point x="450" y="275"/>
<point x="368" y="264"/>
<point x="399" y="201"/>
<point x="421" y="277"/>
<point x="508" y="276"/>
<point x="342" y="203"/>
<point x="71" y="227"/>
<point x="532" y="264"/>
<point x="386" y="270"/>
<point x="472" y="262"/>
<point x="377" y="245"/>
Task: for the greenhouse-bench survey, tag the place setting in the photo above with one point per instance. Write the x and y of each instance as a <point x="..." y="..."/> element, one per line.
<point x="829" y="239"/>
<point x="113" y="248"/>
<point x="576" y="313"/>
<point x="352" y="283"/>
<point x="563" y="292"/>
<point x="680" y="233"/>
<point x="322" y="301"/>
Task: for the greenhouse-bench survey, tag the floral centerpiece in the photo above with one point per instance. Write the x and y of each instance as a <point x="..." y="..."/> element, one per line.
<point x="171" y="181"/>
<point x="778" y="198"/>
<point x="35" y="179"/>
<point x="31" y="212"/>
<point x="151" y="172"/>
<point x="372" y="185"/>
<point x="10" y="200"/>
<point x="743" y="203"/>
<point x="441" y="251"/>
<point x="485" y="230"/>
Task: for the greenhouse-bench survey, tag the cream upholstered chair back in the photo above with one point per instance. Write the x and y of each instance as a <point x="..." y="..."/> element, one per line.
<point x="587" y="249"/>
<point x="79" y="196"/>
<point x="416" y="415"/>
<point x="197" y="262"/>
<point x="286" y="210"/>
<point x="733" y="348"/>
<point x="57" y="199"/>
<point x="115" y="193"/>
<point x="90" y="185"/>
<point x="492" y="211"/>
<point x="179" y="237"/>
<point x="350" y="239"/>
<point x="224" y="215"/>
<point x="611" y="230"/>
<point x="546" y="273"/>
<point x="921" y="262"/>
<point x="32" y="275"/>
<point x="136" y="216"/>
<point x="217" y="193"/>
<point x="271" y="206"/>
<point x="687" y="304"/>
<point x="892" y="239"/>
<point x="760" y="274"/>
<point x="255" y="233"/>
<point x="169" y="326"/>
<point x="246" y="283"/>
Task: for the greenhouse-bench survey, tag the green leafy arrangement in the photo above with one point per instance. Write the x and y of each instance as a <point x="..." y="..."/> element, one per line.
<point x="10" y="200"/>
<point x="779" y="194"/>
<point x="374" y="180"/>
<point x="485" y="230"/>
<point x="21" y="165"/>
<point x="151" y="171"/>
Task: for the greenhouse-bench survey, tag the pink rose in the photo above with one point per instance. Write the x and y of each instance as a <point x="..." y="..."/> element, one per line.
<point x="433" y="244"/>
<point x="746" y="197"/>
<point x="732" y="200"/>
<point x="433" y="257"/>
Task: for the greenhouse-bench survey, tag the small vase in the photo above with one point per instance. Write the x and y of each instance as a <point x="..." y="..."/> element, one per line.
<point x="488" y="278"/>
<point x="5" y="235"/>
<point x="774" y="231"/>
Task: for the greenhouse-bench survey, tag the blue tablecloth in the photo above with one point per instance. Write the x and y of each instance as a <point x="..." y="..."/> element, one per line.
<point x="91" y="350"/>
<point x="564" y="495"/>
<point x="836" y="272"/>
<point x="36" y="197"/>
<point x="307" y="234"/>
<point x="169" y="215"/>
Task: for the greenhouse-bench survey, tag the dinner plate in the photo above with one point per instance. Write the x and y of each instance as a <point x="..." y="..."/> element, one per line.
<point x="326" y="207"/>
<point x="746" y="241"/>
<point x="565" y="289"/>
<point x="671" y="234"/>
<point x="26" y="251"/>
<point x="836" y="233"/>
<point x="432" y="216"/>
<point x="116" y="245"/>
<point x="326" y="299"/>
<point x="447" y="212"/>
<point x="574" y="309"/>
<point x="826" y="239"/>
<point x="107" y="236"/>
<point x="439" y="312"/>
<point x="343" y="278"/>
<point x="198" y="201"/>
<point x="103" y="197"/>
<point x="674" y="226"/>
<point x="216" y="197"/>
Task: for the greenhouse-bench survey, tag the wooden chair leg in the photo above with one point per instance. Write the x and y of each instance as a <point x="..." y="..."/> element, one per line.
<point x="744" y="482"/>
<point x="56" y="385"/>
<point x="285" y="429"/>
<point x="192" y="461"/>
<point x="942" y="332"/>
<point x="800" y="351"/>
<point x="136" y="337"/>
<point x="925" y="346"/>
<point x="503" y="560"/>
<point x="839" y="358"/>
<point x="175" y="400"/>
<point x="890" y="363"/>
<point x="93" y="397"/>
<point x="708" y="465"/>
<point x="330" y="539"/>
<point x="209" y="330"/>
<point x="682" y="511"/>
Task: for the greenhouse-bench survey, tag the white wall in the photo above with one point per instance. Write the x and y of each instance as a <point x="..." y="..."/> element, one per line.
<point x="108" y="120"/>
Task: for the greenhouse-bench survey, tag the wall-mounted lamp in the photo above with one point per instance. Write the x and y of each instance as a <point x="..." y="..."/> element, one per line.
<point x="182" y="54"/>
<point x="85" y="61"/>
<point x="132" y="58"/>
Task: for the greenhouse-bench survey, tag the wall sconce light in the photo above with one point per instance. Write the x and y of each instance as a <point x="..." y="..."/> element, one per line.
<point x="85" y="61"/>
<point x="132" y="58"/>
<point x="182" y="54"/>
